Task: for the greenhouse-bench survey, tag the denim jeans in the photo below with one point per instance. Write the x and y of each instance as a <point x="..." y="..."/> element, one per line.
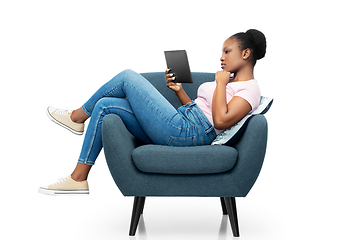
<point x="145" y="113"/>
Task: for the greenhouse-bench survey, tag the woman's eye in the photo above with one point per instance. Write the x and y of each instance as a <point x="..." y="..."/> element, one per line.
<point x="226" y="51"/>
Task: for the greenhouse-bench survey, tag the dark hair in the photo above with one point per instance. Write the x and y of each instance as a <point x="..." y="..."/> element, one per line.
<point x="254" y="40"/>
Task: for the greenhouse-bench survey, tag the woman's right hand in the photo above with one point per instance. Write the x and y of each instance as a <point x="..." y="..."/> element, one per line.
<point x="170" y="81"/>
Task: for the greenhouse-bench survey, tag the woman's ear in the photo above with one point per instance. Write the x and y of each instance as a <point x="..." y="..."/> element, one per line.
<point x="246" y="53"/>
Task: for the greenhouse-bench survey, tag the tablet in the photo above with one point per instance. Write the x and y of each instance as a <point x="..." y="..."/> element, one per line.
<point x="177" y="61"/>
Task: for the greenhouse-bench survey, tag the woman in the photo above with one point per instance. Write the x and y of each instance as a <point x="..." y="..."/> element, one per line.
<point x="151" y="118"/>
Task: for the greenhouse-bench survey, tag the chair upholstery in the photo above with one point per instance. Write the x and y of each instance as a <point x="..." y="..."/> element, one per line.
<point x="206" y="171"/>
<point x="177" y="160"/>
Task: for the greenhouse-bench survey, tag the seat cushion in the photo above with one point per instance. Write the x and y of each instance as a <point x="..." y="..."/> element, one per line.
<point x="205" y="159"/>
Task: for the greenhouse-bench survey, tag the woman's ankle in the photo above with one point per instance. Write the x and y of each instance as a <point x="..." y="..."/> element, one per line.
<point x="78" y="178"/>
<point x="81" y="172"/>
<point x="74" y="117"/>
<point x="79" y="116"/>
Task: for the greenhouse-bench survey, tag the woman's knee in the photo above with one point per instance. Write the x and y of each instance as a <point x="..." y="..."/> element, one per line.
<point x="128" y="73"/>
<point x="101" y="104"/>
<point x="113" y="103"/>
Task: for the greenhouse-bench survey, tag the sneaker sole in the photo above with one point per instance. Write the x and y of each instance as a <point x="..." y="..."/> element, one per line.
<point x="63" y="125"/>
<point x="62" y="192"/>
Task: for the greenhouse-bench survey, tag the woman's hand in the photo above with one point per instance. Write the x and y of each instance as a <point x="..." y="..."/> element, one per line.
<point x="170" y="81"/>
<point x="223" y="77"/>
<point x="177" y="87"/>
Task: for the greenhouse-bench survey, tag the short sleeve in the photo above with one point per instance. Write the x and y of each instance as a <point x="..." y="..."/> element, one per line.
<point x="251" y="93"/>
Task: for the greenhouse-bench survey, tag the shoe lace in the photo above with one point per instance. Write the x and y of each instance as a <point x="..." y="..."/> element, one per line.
<point x="61" y="181"/>
<point x="63" y="112"/>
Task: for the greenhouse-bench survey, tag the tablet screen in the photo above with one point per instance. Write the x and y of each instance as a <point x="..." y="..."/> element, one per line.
<point x="177" y="61"/>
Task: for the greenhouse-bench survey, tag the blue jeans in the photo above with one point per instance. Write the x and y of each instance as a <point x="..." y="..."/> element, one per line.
<point x="145" y="113"/>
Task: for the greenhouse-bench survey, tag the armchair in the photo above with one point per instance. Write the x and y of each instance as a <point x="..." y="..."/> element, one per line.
<point x="205" y="171"/>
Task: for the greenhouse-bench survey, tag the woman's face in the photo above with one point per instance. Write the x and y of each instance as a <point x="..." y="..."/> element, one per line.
<point x="232" y="57"/>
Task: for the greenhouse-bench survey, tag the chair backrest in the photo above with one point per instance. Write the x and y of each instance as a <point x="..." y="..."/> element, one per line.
<point x="158" y="80"/>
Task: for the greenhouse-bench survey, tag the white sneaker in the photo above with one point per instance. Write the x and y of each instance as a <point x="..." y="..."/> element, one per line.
<point x="62" y="117"/>
<point x="66" y="186"/>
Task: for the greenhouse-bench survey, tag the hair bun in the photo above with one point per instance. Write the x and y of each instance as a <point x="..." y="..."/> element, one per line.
<point x="259" y="41"/>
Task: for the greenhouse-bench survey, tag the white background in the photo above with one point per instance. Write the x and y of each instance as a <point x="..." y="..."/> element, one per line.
<point x="59" y="52"/>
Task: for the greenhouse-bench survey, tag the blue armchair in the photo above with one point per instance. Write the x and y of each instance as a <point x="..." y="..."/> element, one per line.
<point x="206" y="171"/>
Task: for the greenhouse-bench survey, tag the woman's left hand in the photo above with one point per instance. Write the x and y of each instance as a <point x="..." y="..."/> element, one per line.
<point x="223" y="77"/>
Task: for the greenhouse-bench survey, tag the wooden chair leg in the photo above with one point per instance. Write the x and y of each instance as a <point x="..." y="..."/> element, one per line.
<point x="222" y="201"/>
<point x="138" y="207"/>
<point x="231" y="208"/>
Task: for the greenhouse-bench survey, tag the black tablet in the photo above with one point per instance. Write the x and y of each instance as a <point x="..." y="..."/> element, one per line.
<point x="177" y="61"/>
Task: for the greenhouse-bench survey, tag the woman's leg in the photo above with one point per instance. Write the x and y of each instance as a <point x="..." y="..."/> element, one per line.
<point x="144" y="111"/>
<point x="153" y="112"/>
<point x="92" y="144"/>
<point x="110" y="98"/>
<point x="147" y="114"/>
<point x="76" y="183"/>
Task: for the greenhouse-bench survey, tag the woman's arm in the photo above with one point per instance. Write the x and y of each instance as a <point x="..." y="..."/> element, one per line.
<point x="177" y="87"/>
<point x="226" y="115"/>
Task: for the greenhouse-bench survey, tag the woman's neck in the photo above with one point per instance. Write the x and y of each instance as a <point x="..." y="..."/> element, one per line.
<point x="244" y="74"/>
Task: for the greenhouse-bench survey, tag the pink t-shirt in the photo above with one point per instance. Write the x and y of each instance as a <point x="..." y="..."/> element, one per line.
<point x="249" y="90"/>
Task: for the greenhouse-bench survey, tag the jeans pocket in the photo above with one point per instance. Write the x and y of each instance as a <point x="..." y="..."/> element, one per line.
<point x="182" y="142"/>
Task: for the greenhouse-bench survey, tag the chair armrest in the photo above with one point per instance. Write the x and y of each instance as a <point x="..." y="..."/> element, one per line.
<point x="251" y="150"/>
<point x="118" y="144"/>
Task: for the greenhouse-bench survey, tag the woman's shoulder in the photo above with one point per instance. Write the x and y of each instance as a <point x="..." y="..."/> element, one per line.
<point x="248" y="82"/>
<point x="240" y="85"/>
